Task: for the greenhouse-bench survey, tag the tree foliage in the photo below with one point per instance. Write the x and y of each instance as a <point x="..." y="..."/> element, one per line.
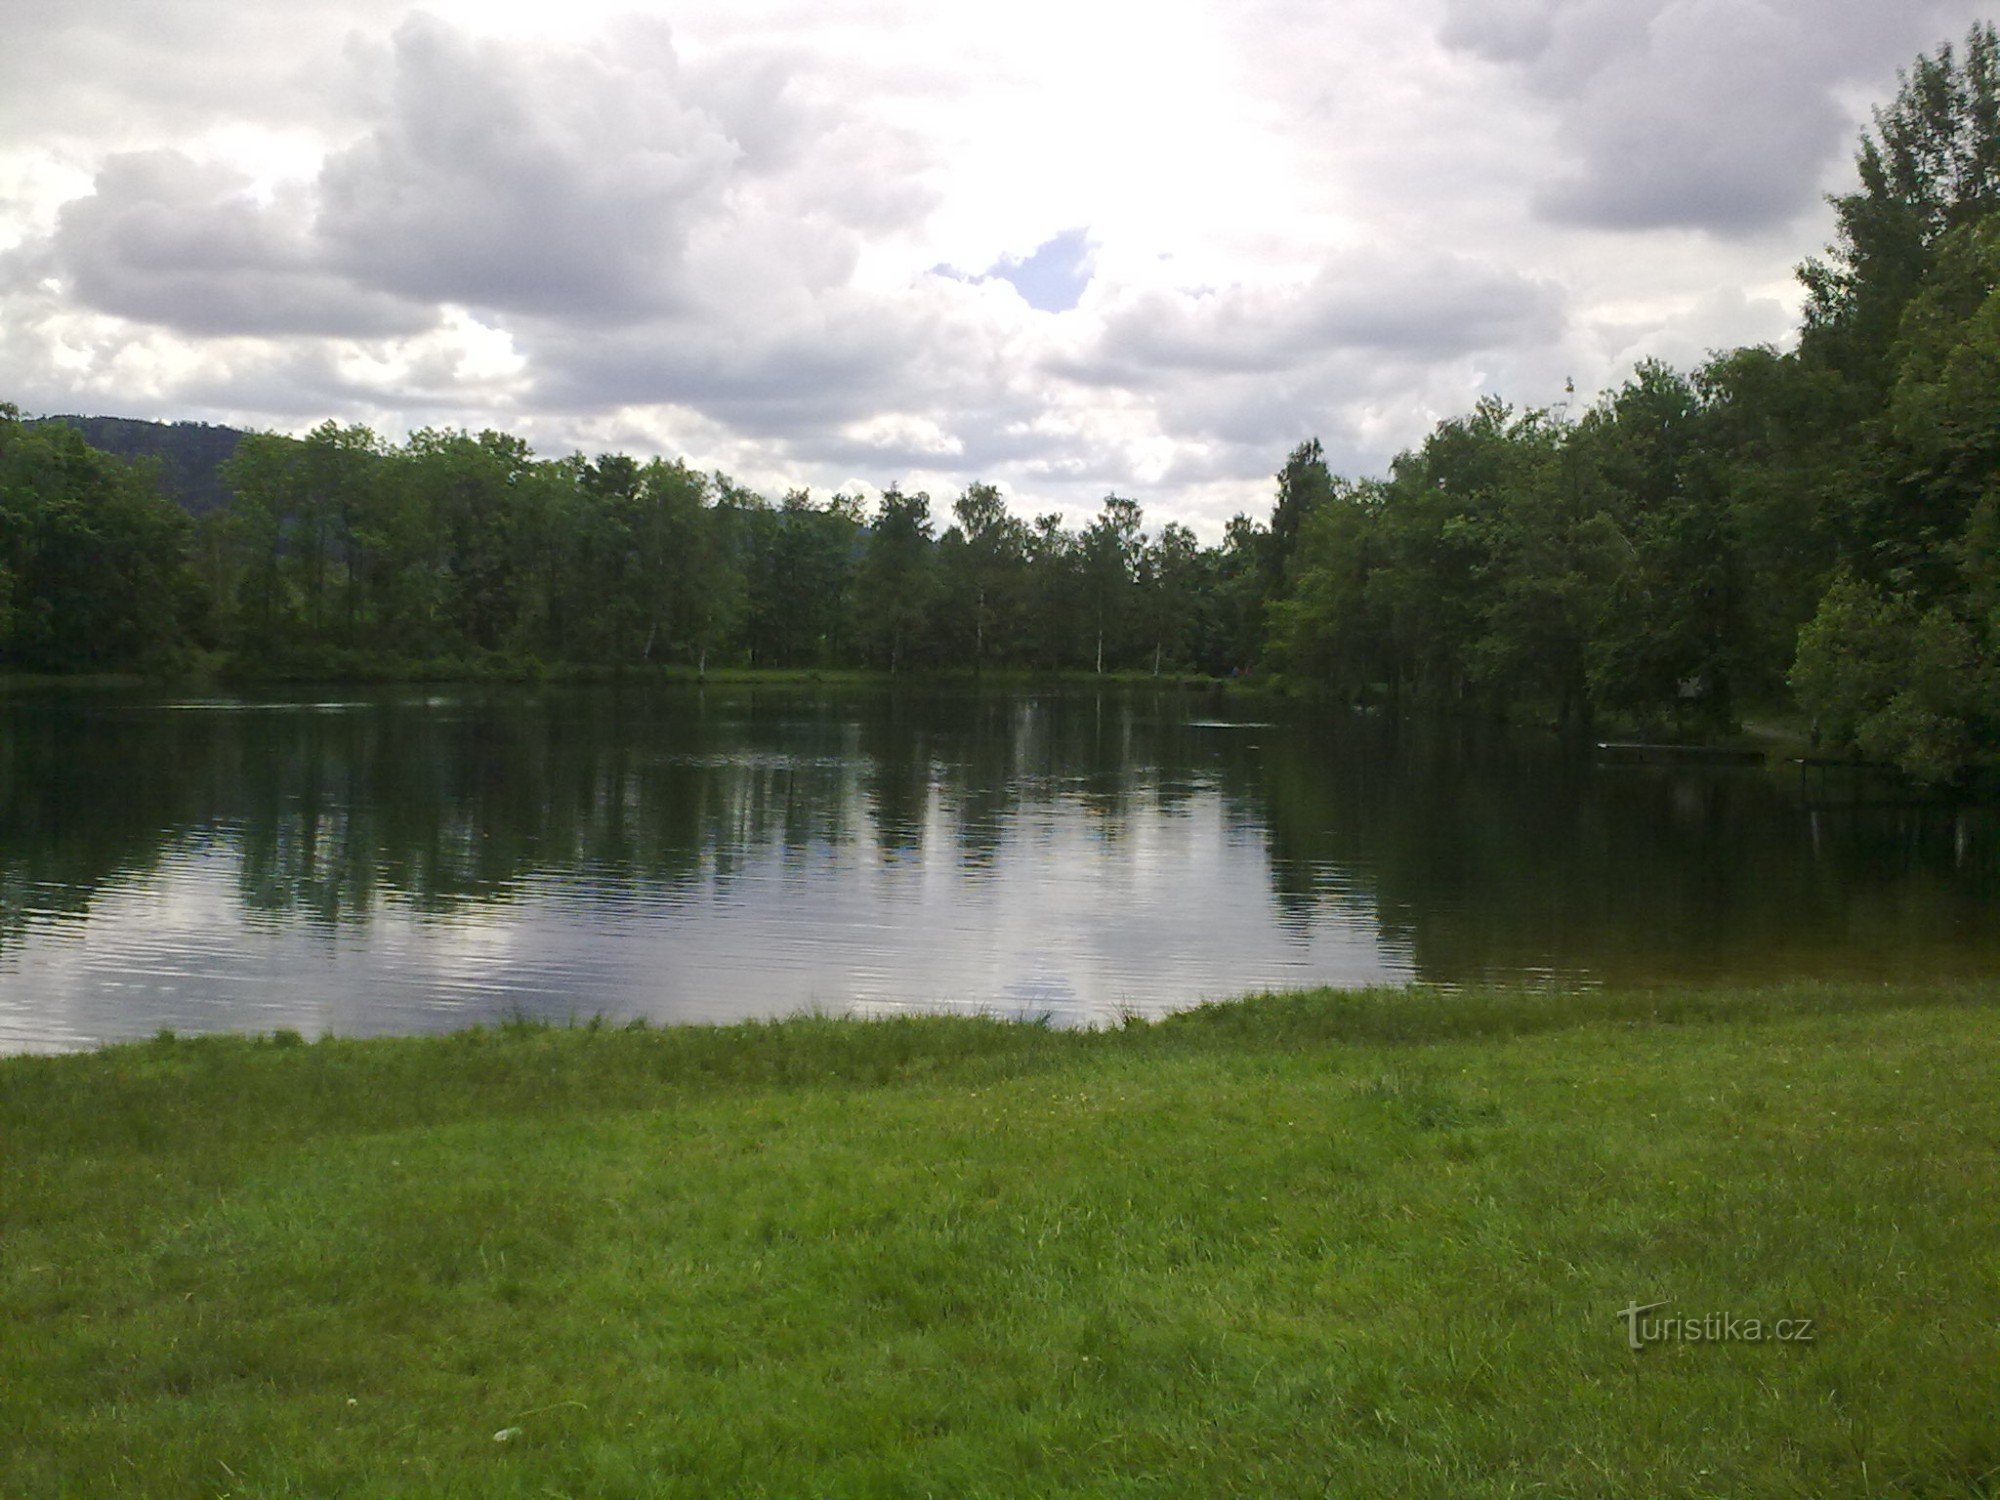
<point x="94" y="564"/>
<point x="1930" y="165"/>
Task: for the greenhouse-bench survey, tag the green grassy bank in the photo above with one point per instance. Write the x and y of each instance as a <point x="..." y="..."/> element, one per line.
<point x="362" y="670"/>
<point x="1324" y="1244"/>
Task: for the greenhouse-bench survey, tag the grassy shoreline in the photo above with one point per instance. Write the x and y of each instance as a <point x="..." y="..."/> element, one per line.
<point x="1303" y="1244"/>
<point x="454" y="672"/>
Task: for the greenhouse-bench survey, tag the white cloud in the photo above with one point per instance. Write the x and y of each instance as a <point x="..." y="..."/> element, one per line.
<point x="184" y="244"/>
<point x="562" y="182"/>
<point x="1407" y="308"/>
<point x="1720" y="115"/>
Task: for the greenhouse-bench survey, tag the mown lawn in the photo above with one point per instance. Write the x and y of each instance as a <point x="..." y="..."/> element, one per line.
<point x="1329" y="1244"/>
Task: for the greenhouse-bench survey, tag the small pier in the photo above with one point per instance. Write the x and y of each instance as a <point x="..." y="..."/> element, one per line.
<point x="1840" y="781"/>
<point x="1643" y="753"/>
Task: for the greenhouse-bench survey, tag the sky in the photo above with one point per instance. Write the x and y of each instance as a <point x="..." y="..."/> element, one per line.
<point x="1067" y="247"/>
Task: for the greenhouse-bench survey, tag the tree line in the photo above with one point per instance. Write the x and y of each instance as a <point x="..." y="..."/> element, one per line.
<point x="338" y="552"/>
<point x="1822" y="524"/>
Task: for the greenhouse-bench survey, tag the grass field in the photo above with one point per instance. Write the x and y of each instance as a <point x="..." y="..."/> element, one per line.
<point x="1369" y="1245"/>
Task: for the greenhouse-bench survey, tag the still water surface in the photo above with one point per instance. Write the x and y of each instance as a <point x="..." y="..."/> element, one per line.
<point x="420" y="860"/>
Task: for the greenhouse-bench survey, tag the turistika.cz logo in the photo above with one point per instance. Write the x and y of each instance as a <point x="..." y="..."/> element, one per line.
<point x="1709" y="1328"/>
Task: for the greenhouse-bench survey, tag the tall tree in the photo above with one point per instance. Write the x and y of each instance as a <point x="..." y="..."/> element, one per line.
<point x="1110" y="552"/>
<point x="1930" y="164"/>
<point x="1669" y="636"/>
<point x="1170" y="584"/>
<point x="1055" y="593"/>
<point x="985" y="576"/>
<point x="1304" y="485"/>
<point x="1328" y="626"/>
<point x="94" y="561"/>
<point x="897" y="580"/>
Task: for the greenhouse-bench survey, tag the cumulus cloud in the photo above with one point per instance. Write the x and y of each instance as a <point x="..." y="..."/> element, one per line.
<point x="554" y="183"/>
<point x="1716" y="115"/>
<point x="1724" y="319"/>
<point x="1416" y="308"/>
<point x="165" y="239"/>
<point x="586" y="183"/>
<point x="120" y="71"/>
<point x="651" y="234"/>
<point x="781" y="378"/>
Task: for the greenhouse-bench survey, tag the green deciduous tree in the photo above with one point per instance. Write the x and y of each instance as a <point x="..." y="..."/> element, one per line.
<point x="1930" y="164"/>
<point x="1909" y="686"/>
<point x="94" y="562"/>
<point x="897" y="579"/>
<point x="985" y="573"/>
<point x="1109" y="554"/>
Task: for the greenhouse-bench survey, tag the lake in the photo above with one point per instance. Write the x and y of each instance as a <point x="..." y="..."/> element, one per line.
<point x="422" y="859"/>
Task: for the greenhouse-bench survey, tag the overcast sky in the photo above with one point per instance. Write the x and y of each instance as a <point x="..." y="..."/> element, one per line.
<point x="1065" y="246"/>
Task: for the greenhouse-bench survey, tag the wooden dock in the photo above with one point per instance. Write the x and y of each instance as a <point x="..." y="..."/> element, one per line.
<point x="1640" y="753"/>
<point x="1838" y="780"/>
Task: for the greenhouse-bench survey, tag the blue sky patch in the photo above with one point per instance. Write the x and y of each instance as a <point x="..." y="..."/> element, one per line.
<point x="1051" y="278"/>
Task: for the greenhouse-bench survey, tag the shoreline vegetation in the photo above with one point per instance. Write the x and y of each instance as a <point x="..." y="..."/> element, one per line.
<point x="1816" y="528"/>
<point x="1777" y="732"/>
<point x="393" y="672"/>
<point x="1379" y="1242"/>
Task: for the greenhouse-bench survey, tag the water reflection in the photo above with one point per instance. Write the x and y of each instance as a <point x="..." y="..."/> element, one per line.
<point x="1490" y="859"/>
<point x="413" y="861"/>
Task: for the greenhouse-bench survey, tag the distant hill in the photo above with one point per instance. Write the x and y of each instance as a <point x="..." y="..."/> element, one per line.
<point x="190" y="453"/>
